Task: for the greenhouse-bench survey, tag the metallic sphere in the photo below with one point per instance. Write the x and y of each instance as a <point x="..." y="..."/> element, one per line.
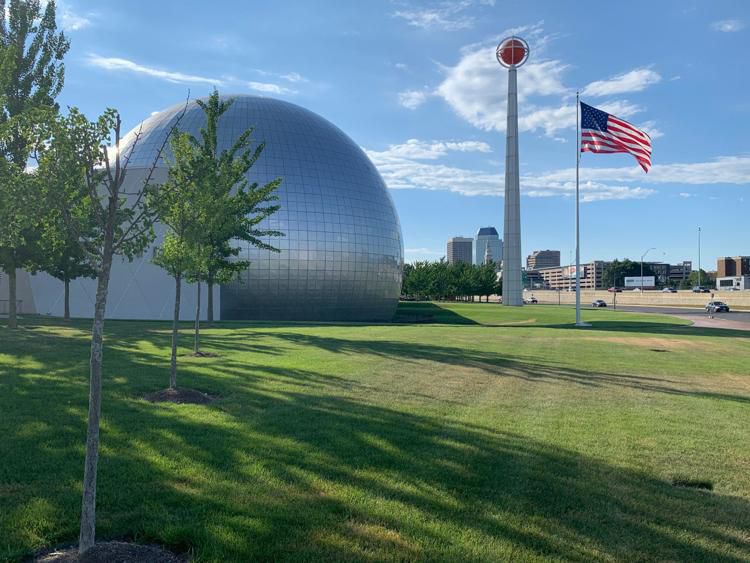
<point x="342" y="256"/>
<point x="512" y="52"/>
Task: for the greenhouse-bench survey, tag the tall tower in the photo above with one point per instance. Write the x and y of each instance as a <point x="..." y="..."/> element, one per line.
<point x="512" y="53"/>
<point x="487" y="253"/>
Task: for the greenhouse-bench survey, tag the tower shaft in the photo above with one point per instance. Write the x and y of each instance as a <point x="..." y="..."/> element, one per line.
<point x="512" y="284"/>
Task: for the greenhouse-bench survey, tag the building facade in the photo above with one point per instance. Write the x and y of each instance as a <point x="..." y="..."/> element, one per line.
<point x="459" y="250"/>
<point x="543" y="259"/>
<point x="563" y="278"/>
<point x="341" y="255"/>
<point x="731" y="266"/>
<point x="733" y="283"/>
<point x="680" y="272"/>
<point x="487" y="238"/>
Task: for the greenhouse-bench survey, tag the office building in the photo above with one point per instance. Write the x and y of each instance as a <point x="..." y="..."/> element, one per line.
<point x="459" y="250"/>
<point x="564" y="277"/>
<point x="488" y="238"/>
<point x="543" y="259"/>
<point x="732" y="266"/>
<point x="340" y="259"/>
<point x="680" y="272"/>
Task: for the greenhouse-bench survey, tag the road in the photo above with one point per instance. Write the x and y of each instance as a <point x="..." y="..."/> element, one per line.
<point x="693" y="313"/>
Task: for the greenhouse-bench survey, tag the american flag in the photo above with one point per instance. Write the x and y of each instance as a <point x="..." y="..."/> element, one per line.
<point x="602" y="132"/>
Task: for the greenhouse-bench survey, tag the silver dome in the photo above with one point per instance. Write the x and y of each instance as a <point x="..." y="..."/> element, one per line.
<point x="342" y="255"/>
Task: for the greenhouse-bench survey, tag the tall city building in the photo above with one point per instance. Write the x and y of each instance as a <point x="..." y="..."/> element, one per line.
<point x="543" y="259"/>
<point x="459" y="250"/>
<point x="488" y="237"/>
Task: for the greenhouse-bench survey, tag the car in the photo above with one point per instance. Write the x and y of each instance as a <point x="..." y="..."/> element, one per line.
<point x="699" y="289"/>
<point x="669" y="290"/>
<point x="599" y="303"/>
<point x="717" y="307"/>
<point x="615" y="290"/>
<point x="531" y="300"/>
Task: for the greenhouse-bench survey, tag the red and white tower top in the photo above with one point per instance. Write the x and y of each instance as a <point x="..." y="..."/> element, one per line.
<point x="512" y="52"/>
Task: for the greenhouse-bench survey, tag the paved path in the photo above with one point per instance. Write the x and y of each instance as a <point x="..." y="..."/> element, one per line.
<point x="736" y="320"/>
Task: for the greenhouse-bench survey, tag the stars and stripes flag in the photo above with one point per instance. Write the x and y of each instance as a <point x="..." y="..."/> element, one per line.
<point x="602" y="132"/>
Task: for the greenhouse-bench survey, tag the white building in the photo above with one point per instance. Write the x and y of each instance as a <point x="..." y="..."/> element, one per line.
<point x="487" y="236"/>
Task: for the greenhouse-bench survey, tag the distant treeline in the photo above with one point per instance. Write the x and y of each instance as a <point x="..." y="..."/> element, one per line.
<point x="442" y="281"/>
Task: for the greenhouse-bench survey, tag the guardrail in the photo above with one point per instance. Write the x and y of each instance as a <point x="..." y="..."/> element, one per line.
<point x="684" y="298"/>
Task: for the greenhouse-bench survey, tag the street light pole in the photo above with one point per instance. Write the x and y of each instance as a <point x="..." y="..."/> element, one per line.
<point x="642" y="257"/>
<point x="699" y="256"/>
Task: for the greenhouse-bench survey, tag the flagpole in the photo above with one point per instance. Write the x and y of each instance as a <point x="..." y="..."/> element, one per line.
<point x="578" y="213"/>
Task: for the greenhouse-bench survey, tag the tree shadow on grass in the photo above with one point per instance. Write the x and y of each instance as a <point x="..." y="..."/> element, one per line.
<point x="329" y="478"/>
<point x="429" y="312"/>
<point x="500" y="365"/>
<point x="288" y="469"/>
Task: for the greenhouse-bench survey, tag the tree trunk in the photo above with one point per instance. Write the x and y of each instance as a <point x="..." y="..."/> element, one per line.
<point x="12" y="312"/>
<point x="196" y="340"/>
<point x="66" y="315"/>
<point x="210" y="304"/>
<point x="87" y="535"/>
<point x="175" y="330"/>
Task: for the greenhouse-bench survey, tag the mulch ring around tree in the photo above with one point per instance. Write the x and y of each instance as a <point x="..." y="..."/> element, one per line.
<point x="201" y="355"/>
<point x="180" y="395"/>
<point x="111" y="552"/>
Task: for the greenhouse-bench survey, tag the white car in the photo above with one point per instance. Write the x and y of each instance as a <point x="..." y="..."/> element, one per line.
<point x="669" y="290"/>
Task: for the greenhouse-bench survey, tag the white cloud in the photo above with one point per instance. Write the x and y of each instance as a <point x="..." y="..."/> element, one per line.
<point x="419" y="164"/>
<point x="430" y="150"/>
<point x="416" y="164"/>
<point x="412" y="99"/>
<point x="685" y="194"/>
<point x="413" y="254"/>
<point x="446" y="15"/>
<point x="475" y="88"/>
<point x="119" y="64"/>
<point x="294" y="77"/>
<point x="634" y="81"/>
<point x="402" y="66"/>
<point x="116" y="64"/>
<point x="269" y="88"/>
<point x="728" y="26"/>
<point x="66" y="17"/>
<point x="70" y="21"/>
<point x="721" y="170"/>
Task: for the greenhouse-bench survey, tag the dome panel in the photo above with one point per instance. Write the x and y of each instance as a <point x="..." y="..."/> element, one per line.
<point x="342" y="256"/>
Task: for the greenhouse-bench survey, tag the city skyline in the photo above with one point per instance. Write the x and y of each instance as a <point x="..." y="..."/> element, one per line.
<point x="417" y="86"/>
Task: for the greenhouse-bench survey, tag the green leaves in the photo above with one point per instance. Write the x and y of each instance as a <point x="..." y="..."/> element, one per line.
<point x="440" y="280"/>
<point x="209" y="201"/>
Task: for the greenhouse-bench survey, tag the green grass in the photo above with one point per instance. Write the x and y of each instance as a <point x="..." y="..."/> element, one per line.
<point x="488" y="433"/>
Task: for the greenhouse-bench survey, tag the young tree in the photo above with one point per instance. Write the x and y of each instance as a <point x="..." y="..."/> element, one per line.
<point x="108" y="217"/>
<point x="177" y="205"/>
<point x="231" y="208"/>
<point x="31" y="77"/>
<point x="487" y="280"/>
<point x="62" y="256"/>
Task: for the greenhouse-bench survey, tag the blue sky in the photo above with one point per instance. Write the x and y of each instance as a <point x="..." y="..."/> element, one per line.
<point x="416" y="84"/>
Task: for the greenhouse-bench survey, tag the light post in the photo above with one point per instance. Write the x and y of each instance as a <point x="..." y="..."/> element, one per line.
<point x="642" y="257"/>
<point x="699" y="256"/>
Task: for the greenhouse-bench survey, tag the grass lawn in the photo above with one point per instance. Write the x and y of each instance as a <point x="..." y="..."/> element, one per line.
<point x="487" y="434"/>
